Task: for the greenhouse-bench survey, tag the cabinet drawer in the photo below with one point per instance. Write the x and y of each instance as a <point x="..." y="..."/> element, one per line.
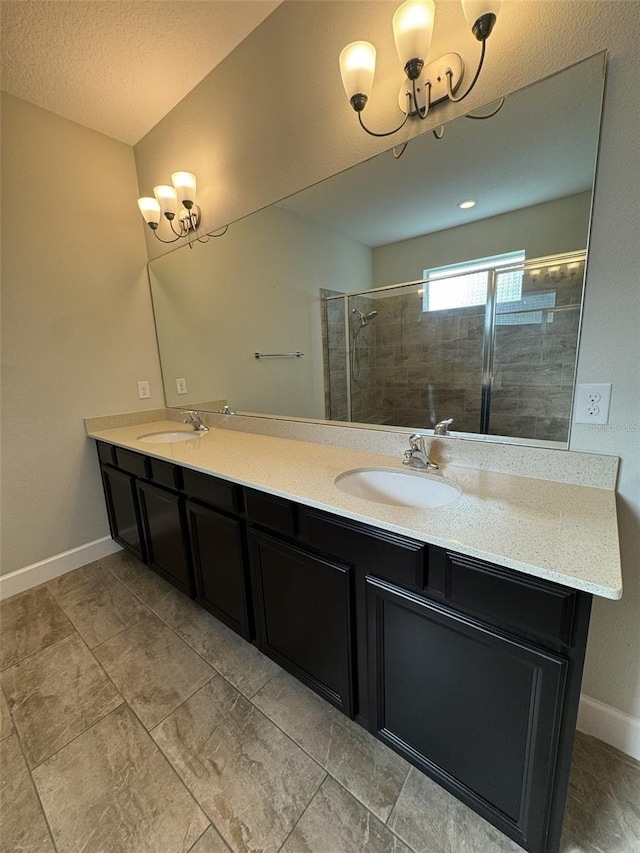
<point x="165" y="473"/>
<point x="384" y="554"/>
<point x="270" y="511"/>
<point x="517" y="602"/>
<point x="106" y="453"/>
<point x="218" y="493"/>
<point x="132" y="463"/>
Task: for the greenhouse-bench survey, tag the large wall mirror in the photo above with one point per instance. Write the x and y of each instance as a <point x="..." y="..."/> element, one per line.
<point x="374" y="297"/>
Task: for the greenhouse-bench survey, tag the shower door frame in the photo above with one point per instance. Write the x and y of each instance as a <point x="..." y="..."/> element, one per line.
<point x="488" y="346"/>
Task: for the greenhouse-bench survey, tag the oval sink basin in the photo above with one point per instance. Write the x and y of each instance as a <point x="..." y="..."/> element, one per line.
<point x="168" y="437"/>
<point x="398" y="488"/>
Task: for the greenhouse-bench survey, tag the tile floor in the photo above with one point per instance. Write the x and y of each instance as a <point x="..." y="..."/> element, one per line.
<point x="132" y="720"/>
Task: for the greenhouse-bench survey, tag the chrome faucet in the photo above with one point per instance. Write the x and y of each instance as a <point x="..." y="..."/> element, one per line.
<point x="442" y="428"/>
<point x="195" y="420"/>
<point x="416" y="455"/>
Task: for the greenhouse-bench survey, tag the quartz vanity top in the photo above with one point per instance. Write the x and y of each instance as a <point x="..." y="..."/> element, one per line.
<point x="557" y="531"/>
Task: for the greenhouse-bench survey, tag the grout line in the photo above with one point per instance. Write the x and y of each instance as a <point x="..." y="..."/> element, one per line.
<point x="35" y="788"/>
<point x="43" y="649"/>
<point x="319" y="761"/>
<point x="273" y="722"/>
<point x="84" y="731"/>
<point x="303" y="812"/>
<point x="184" y="702"/>
<point x="402" y="787"/>
<point x="102" y="642"/>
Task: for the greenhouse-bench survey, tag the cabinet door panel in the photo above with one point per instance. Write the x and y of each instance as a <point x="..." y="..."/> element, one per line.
<point x="165" y="534"/>
<point x="122" y="509"/>
<point x="218" y="561"/>
<point x="303" y="609"/>
<point x="477" y="710"/>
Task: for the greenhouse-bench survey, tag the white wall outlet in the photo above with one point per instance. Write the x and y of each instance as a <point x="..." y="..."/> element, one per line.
<point x="181" y="386"/>
<point x="144" y="391"/>
<point x="592" y="404"/>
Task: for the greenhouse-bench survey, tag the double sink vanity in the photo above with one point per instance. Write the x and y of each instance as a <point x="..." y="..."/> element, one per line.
<point x="447" y="613"/>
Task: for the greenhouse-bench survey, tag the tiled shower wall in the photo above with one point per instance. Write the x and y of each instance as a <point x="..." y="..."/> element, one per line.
<point x="417" y="368"/>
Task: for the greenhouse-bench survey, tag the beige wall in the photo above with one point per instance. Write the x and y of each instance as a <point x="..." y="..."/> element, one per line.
<point x="543" y="229"/>
<point x="77" y="329"/>
<point x="257" y="289"/>
<point x="273" y="118"/>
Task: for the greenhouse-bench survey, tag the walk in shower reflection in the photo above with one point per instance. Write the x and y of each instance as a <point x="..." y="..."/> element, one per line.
<point x="494" y="349"/>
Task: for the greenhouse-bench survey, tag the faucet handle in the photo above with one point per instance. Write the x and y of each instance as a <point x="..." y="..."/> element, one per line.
<point x="416" y="442"/>
<point x="442" y="428"/>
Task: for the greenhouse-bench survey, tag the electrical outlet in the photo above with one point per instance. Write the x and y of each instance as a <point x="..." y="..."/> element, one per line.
<point x="592" y="404"/>
<point x="181" y="386"/>
<point x="144" y="391"/>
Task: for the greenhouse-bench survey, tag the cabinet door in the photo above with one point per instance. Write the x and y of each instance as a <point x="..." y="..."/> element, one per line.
<point x="477" y="710"/>
<point x="165" y="531"/>
<point x="303" y="612"/>
<point x="219" y="566"/>
<point x="122" y="510"/>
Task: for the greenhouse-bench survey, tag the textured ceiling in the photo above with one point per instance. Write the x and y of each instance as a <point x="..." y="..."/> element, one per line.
<point x="118" y="66"/>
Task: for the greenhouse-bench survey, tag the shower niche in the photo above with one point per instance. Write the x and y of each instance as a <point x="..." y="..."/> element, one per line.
<point x="493" y="347"/>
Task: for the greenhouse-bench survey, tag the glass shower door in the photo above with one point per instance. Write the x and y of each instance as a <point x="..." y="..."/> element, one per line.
<point x="535" y="346"/>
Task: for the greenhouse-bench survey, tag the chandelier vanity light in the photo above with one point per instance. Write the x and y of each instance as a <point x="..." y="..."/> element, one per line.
<point x="427" y="83"/>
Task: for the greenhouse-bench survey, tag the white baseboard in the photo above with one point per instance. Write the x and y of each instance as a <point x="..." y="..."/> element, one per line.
<point x="60" y="564"/>
<point x="610" y="725"/>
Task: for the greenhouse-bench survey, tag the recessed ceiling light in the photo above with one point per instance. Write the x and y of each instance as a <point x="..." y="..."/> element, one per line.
<point x="464" y="205"/>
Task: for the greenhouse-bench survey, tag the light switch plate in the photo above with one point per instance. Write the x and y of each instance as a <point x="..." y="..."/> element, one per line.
<point x="592" y="403"/>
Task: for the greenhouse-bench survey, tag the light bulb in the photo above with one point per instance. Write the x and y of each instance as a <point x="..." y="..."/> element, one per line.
<point x="357" y="67"/>
<point x="150" y="210"/>
<point x="167" y="199"/>
<point x="185" y="186"/>
<point x="412" y="31"/>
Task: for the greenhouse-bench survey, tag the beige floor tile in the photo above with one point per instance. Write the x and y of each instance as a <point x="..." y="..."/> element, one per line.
<point x="430" y="820"/>
<point x="210" y="842"/>
<point x="239" y="661"/>
<point x="603" y="806"/>
<point x="146" y="584"/>
<point x="336" y="821"/>
<point x="29" y="622"/>
<point x="55" y="695"/>
<point x="174" y="607"/>
<point x="571" y="844"/>
<point x="24" y="828"/>
<point x="6" y="725"/>
<point x="153" y="668"/>
<point x="112" y="791"/>
<point x="366" y="767"/>
<point x="250" y="778"/>
<point x="96" y="602"/>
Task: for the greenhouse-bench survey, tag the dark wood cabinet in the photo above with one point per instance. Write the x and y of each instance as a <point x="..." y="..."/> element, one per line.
<point x="123" y="510"/>
<point x="476" y="709"/>
<point x="470" y="670"/>
<point x="221" y="584"/>
<point x="303" y="612"/>
<point x="370" y="552"/>
<point x="164" y="524"/>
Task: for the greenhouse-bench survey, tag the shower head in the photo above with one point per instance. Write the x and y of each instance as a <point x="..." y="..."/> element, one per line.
<point x="363" y="319"/>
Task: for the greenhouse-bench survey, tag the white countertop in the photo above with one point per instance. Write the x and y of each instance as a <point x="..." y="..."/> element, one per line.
<point x="563" y="533"/>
